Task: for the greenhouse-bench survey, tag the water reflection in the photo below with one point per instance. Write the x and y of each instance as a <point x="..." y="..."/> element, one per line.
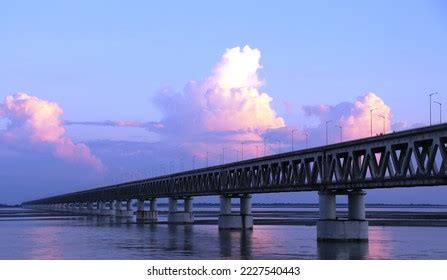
<point x="181" y="237"/>
<point x="232" y="241"/>
<point x="342" y="250"/>
<point x="123" y="221"/>
<point x="380" y="246"/>
<point x="47" y="241"/>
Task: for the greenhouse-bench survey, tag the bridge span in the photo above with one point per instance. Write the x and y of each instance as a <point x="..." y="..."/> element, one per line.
<point x="416" y="157"/>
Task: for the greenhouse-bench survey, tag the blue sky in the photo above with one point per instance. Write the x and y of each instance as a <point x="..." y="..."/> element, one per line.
<point x="109" y="60"/>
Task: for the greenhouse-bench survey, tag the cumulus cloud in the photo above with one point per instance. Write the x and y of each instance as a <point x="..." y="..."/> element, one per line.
<point x="33" y="121"/>
<point x="355" y="118"/>
<point x="230" y="99"/>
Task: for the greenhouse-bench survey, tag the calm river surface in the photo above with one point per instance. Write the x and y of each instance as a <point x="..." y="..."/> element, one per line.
<point x="30" y="234"/>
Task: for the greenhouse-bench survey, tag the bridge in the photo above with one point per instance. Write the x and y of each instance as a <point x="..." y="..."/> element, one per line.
<point x="416" y="157"/>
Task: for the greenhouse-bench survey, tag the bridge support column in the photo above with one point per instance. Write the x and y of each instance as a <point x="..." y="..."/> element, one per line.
<point x="103" y="209"/>
<point x="181" y="217"/>
<point x="71" y="207"/>
<point x="330" y="228"/>
<point x="90" y="209"/>
<point x="124" y="213"/>
<point x="147" y="216"/>
<point x="81" y="208"/>
<point x="241" y="220"/>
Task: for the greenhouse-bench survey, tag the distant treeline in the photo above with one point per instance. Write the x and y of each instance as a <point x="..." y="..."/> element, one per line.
<point x="315" y="205"/>
<point x="8" y="205"/>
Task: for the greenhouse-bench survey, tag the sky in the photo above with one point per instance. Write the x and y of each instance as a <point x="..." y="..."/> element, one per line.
<point x="99" y="92"/>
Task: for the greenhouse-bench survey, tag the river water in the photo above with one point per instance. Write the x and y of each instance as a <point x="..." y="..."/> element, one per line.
<point x="30" y="234"/>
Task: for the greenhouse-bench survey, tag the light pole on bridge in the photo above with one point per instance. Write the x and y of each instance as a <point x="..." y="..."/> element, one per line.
<point x="341" y="132"/>
<point x="371" y="119"/>
<point x="383" y="119"/>
<point x="440" y="110"/>
<point x="279" y="146"/>
<point x="237" y="154"/>
<point x="265" y="145"/>
<point x="242" y="150"/>
<point x="327" y="122"/>
<point x="307" y="140"/>
<point x="193" y="162"/>
<point x="431" y="94"/>
<point x="223" y="155"/>
<point x="293" y="130"/>
<point x="257" y="150"/>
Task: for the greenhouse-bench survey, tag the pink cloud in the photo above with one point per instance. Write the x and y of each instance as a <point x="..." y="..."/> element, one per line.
<point x="357" y="123"/>
<point x="355" y="118"/>
<point x="35" y="121"/>
<point x="228" y="103"/>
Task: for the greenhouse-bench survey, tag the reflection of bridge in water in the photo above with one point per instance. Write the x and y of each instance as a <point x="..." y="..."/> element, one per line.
<point x="416" y="157"/>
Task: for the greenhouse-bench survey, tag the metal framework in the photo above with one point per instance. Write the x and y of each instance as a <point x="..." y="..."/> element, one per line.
<point x="416" y="157"/>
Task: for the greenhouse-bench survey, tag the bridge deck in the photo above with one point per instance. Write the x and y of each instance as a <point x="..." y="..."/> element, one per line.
<point x="416" y="157"/>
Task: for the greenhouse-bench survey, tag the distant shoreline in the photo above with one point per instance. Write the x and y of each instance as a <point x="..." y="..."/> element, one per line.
<point x="10" y="206"/>
<point x="299" y="205"/>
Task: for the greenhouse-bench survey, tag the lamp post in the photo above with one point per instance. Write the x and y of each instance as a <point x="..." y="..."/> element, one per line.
<point x="371" y="119"/>
<point x="193" y="161"/>
<point x="293" y="130"/>
<point x="170" y="167"/>
<point x="257" y="150"/>
<point x="279" y="146"/>
<point x="440" y="110"/>
<point x="223" y="155"/>
<point x="341" y="132"/>
<point x="237" y="154"/>
<point x="307" y="140"/>
<point x="431" y="94"/>
<point x="383" y="119"/>
<point x="265" y="145"/>
<point x="327" y="141"/>
<point x="242" y="150"/>
<point x="206" y="159"/>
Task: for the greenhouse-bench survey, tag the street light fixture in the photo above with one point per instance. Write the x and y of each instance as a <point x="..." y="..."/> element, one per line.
<point x="193" y="162"/>
<point x="242" y="150"/>
<point x="440" y="110"/>
<point x="371" y="118"/>
<point x="257" y="150"/>
<point x="383" y="118"/>
<point x="223" y="155"/>
<point x="279" y="146"/>
<point x="327" y="141"/>
<point x="431" y="94"/>
<point x="206" y="159"/>
<point x="293" y="130"/>
<point x="237" y="154"/>
<point x="265" y="145"/>
<point x="307" y="140"/>
<point x="341" y="132"/>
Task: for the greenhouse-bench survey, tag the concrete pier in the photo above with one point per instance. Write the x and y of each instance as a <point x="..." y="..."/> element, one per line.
<point x="81" y="208"/>
<point x="104" y="211"/>
<point x="147" y="216"/>
<point x="180" y="217"/>
<point x="241" y="220"/>
<point x="125" y="212"/>
<point x="90" y="208"/>
<point x="330" y="228"/>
